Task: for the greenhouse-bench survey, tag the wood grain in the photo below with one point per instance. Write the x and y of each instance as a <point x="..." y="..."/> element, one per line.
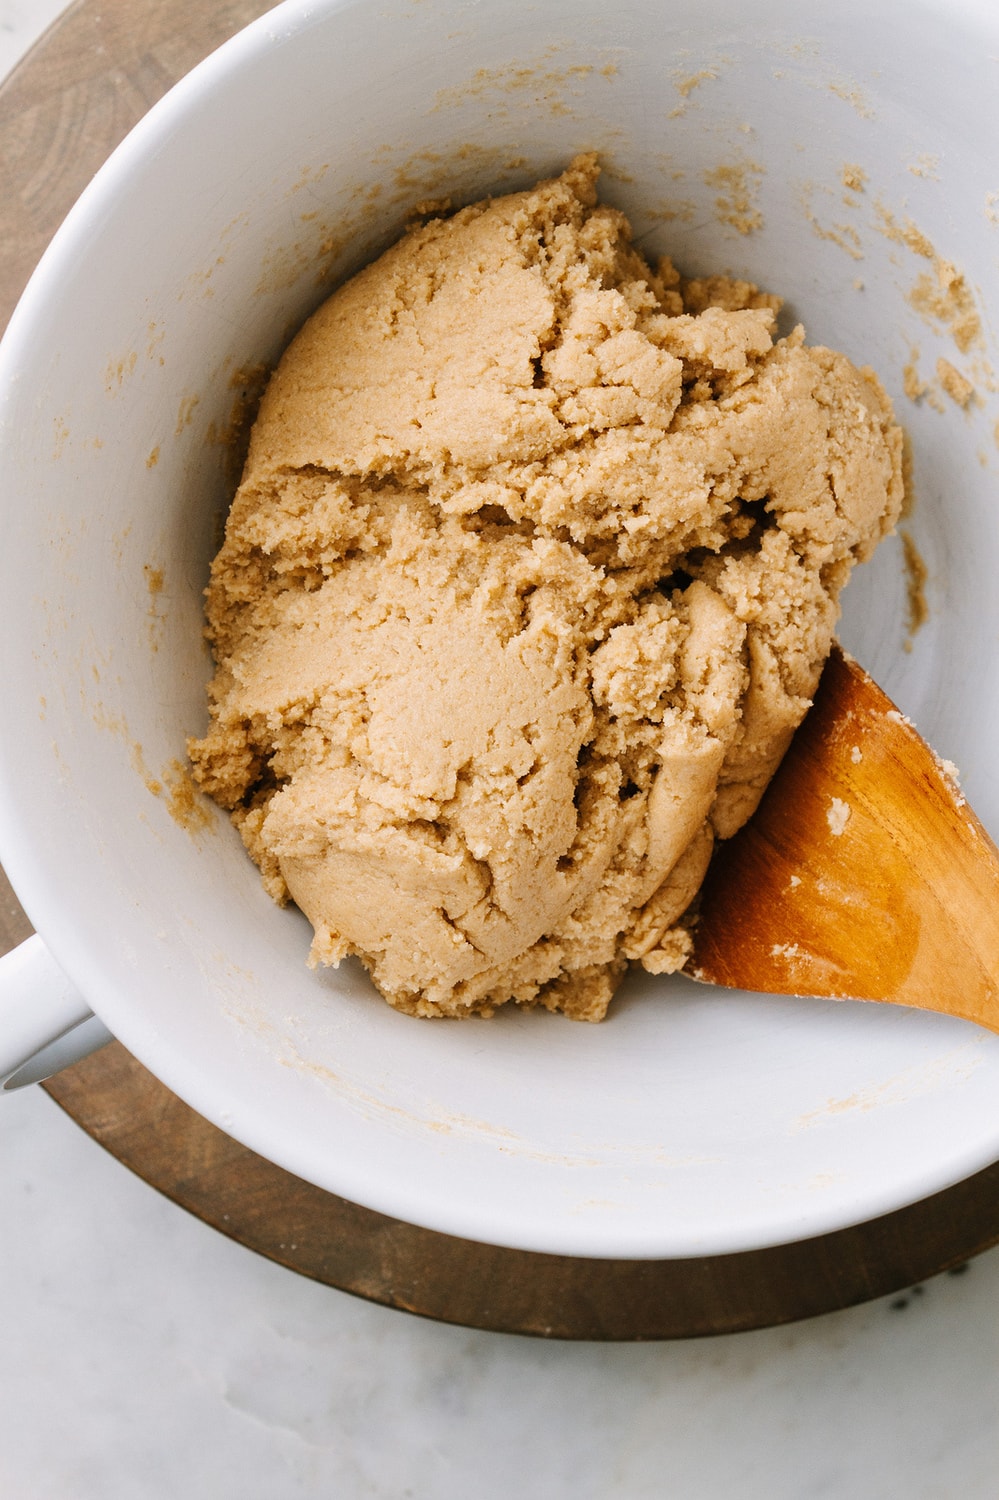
<point x="481" y="1286"/>
<point x="61" y="113"/>
<point x="77" y="94"/>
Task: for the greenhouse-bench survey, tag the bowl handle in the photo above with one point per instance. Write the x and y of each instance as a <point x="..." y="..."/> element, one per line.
<point x="45" y="1024"/>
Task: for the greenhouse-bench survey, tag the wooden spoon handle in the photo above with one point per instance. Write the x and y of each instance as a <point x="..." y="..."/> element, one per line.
<point x="863" y="874"/>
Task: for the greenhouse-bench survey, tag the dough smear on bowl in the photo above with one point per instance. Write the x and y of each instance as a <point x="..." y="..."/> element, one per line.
<point x="530" y="577"/>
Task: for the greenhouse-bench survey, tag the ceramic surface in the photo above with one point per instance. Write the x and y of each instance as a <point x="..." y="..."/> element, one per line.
<point x="692" y="1121"/>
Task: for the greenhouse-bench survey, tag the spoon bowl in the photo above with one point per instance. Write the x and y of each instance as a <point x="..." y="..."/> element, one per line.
<point x="863" y="874"/>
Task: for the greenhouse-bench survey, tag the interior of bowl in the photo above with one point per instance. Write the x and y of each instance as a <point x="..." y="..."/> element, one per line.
<point x="829" y="154"/>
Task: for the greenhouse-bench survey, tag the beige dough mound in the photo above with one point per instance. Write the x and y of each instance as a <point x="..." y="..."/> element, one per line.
<point x="530" y="577"/>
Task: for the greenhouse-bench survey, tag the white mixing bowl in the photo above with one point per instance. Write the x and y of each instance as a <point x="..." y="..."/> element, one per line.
<point x="692" y="1121"/>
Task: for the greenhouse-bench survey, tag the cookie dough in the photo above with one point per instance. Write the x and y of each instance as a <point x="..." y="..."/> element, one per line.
<point x="530" y="577"/>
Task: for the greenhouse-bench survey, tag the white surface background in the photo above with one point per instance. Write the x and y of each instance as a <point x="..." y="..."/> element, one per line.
<point x="145" y="1357"/>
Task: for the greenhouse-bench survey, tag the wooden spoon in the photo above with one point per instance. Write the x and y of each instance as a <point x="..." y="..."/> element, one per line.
<point x="863" y="874"/>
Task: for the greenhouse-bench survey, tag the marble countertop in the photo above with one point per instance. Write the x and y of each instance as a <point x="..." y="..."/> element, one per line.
<point x="145" y="1357"/>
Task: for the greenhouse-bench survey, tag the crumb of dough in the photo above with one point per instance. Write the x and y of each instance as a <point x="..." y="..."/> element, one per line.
<point x="843" y="235"/>
<point x="957" y="386"/>
<point x="949" y="769"/>
<point x="785" y="950"/>
<point x="837" y="816"/>
<point x="685" y="86"/>
<point x="853" y="177"/>
<point x="916" y="574"/>
<point x="942" y="297"/>
<point x="737" y="184"/>
<point x="912" y="382"/>
<point x="853" y="96"/>
<point x="529" y="580"/>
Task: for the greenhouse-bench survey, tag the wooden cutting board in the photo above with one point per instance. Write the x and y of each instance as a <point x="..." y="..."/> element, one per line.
<point x="61" y="113"/>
